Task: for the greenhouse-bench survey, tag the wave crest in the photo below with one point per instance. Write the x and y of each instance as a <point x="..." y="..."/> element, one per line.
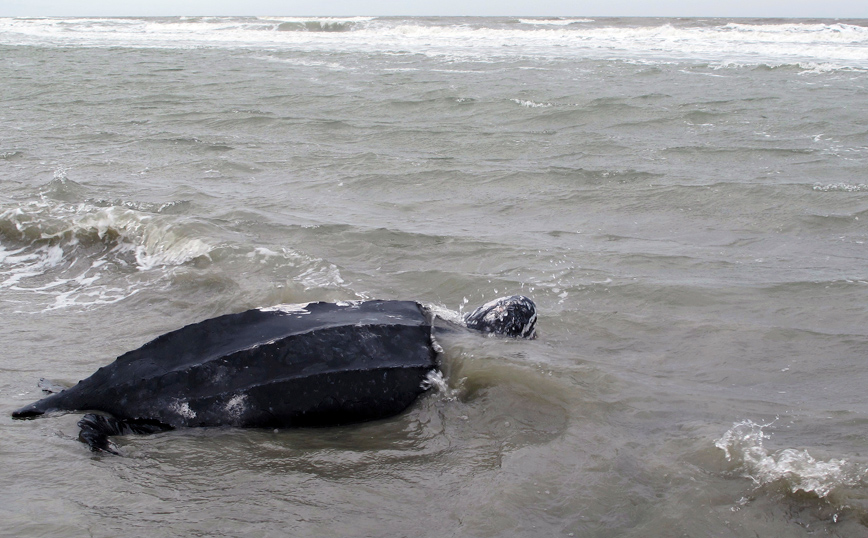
<point x="328" y="24"/>
<point x="74" y="252"/>
<point x="796" y="469"/>
<point x="815" y="47"/>
<point x="153" y="241"/>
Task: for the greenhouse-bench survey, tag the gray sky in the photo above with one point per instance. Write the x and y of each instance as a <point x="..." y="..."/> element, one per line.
<point x="661" y="8"/>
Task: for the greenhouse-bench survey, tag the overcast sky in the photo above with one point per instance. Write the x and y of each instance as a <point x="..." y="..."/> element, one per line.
<point x="643" y="8"/>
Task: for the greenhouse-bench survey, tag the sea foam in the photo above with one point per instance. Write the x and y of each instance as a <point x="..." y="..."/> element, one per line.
<point x="796" y="469"/>
<point x="833" y="46"/>
<point x="77" y="254"/>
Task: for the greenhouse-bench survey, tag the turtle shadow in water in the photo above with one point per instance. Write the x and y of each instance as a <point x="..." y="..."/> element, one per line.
<point x="317" y="364"/>
<point x="464" y="431"/>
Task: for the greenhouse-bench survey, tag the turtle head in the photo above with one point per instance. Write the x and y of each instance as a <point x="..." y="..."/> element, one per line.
<point x="512" y="316"/>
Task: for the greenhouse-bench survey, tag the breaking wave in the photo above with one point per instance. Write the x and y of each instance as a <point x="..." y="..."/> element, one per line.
<point x="811" y="46"/>
<point x="136" y="237"/>
<point x="555" y="22"/>
<point x="792" y="468"/>
<point x="841" y="187"/>
<point x="326" y="24"/>
<point x="74" y="252"/>
<point x="81" y="255"/>
<point x="530" y="104"/>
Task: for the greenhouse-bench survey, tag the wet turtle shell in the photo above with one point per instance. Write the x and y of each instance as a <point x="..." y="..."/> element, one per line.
<point x="317" y="364"/>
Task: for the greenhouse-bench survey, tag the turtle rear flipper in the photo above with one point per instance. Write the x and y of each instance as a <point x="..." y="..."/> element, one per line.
<point x="96" y="429"/>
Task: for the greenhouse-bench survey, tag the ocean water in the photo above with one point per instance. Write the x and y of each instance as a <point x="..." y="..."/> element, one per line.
<point x="686" y="201"/>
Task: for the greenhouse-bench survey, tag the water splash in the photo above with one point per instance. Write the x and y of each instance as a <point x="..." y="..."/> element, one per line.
<point x="447" y="314"/>
<point x="435" y="380"/>
<point x="83" y="255"/>
<point x="530" y="104"/>
<point x="794" y="468"/>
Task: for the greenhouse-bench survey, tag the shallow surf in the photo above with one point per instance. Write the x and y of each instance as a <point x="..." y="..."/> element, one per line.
<point x="684" y="200"/>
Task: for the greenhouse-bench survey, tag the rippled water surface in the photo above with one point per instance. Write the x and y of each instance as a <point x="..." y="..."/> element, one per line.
<point x="685" y="200"/>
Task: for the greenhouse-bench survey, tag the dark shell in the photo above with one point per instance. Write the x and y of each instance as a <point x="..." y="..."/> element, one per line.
<point x="297" y="365"/>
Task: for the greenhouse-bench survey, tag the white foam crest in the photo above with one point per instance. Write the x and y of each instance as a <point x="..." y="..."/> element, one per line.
<point x="264" y="253"/>
<point x="801" y="32"/>
<point x="835" y="46"/>
<point x="555" y="22"/>
<point x="73" y="253"/>
<point x="797" y="469"/>
<point x="530" y="104"/>
<point x="841" y="187"/>
<point x="154" y="241"/>
<point x="326" y="20"/>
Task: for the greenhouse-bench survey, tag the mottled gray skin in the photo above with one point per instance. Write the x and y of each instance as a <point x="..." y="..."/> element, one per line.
<point x="512" y="316"/>
<point x="318" y="364"/>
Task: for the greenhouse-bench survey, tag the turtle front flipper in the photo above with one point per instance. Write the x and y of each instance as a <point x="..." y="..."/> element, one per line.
<point x="96" y="429"/>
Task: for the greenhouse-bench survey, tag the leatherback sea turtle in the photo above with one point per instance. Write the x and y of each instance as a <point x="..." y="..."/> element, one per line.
<point x="315" y="364"/>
